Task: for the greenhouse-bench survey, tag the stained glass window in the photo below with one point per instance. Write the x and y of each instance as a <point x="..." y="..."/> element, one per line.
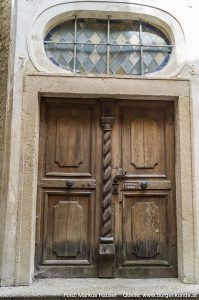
<point x="121" y="47"/>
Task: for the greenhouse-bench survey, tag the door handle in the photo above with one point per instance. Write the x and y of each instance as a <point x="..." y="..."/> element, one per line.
<point x="144" y="185"/>
<point x="78" y="183"/>
<point x="69" y="183"/>
<point x="116" y="180"/>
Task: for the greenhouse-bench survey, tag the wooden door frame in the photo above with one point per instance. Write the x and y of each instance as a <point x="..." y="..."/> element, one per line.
<point x="93" y="87"/>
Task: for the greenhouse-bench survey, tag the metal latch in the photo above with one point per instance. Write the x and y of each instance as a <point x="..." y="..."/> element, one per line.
<point x="115" y="189"/>
<point x="116" y="179"/>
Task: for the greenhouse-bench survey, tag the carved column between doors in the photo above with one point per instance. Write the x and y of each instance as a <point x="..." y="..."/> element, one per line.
<point x="107" y="248"/>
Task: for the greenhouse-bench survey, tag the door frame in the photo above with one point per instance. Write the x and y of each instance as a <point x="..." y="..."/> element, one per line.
<point x="119" y="88"/>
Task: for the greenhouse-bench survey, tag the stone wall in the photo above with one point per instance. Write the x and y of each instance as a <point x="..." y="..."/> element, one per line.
<point x="5" y="12"/>
<point x="5" y="17"/>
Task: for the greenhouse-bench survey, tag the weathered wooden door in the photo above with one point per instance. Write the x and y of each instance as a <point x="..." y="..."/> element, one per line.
<point x="68" y="209"/>
<point x="145" y="213"/>
<point x="106" y="189"/>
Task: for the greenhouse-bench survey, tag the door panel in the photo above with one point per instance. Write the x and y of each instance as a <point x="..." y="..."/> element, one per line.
<point x="68" y="208"/>
<point x="145" y="221"/>
<point x="68" y="227"/>
<point x="143" y="141"/>
<point x="69" y="146"/>
<point x="145" y="227"/>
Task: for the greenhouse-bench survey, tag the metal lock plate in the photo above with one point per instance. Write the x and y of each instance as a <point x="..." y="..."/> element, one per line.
<point x="115" y="188"/>
<point x="131" y="185"/>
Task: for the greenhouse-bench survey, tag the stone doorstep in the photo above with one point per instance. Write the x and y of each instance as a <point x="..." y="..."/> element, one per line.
<point x="103" y="298"/>
<point x="102" y="289"/>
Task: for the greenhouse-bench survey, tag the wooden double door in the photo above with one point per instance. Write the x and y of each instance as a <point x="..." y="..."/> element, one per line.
<point x="106" y="189"/>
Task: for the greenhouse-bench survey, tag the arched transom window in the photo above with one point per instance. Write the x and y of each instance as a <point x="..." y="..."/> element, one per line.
<point x="120" y="47"/>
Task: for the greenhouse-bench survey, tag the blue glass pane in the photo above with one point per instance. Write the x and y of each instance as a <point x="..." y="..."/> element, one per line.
<point x="124" y="32"/>
<point x="62" y="33"/>
<point x="91" y="59"/>
<point x="91" y="31"/>
<point x="155" y="58"/>
<point x="153" y="36"/>
<point x="61" y="55"/>
<point x="125" y="60"/>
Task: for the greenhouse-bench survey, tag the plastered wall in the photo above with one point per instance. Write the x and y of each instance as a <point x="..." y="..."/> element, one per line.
<point x="5" y="17"/>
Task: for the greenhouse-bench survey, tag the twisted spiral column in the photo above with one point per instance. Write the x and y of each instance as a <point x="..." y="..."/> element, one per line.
<point x="106" y="228"/>
<point x="107" y="186"/>
<point x="106" y="245"/>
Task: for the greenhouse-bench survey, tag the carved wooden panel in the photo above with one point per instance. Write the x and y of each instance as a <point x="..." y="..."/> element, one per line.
<point x="67" y="227"/>
<point x="67" y="231"/>
<point x="145" y="227"/>
<point x="70" y="137"/>
<point x="143" y="142"/>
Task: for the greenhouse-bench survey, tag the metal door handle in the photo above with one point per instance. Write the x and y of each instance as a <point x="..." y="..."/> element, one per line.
<point x="144" y="185"/>
<point x="69" y="183"/>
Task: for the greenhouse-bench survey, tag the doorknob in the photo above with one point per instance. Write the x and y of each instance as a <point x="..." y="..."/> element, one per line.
<point x="69" y="183"/>
<point x="144" y="185"/>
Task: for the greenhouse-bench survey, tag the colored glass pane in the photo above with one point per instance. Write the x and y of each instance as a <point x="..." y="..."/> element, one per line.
<point x="124" y="32"/>
<point x="125" y="60"/>
<point x="121" y="47"/>
<point x="91" y="59"/>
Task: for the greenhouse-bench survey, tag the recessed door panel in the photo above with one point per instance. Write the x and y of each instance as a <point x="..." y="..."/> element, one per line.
<point x="143" y="140"/>
<point x="69" y="140"/>
<point x="145" y="228"/>
<point x="67" y="228"/>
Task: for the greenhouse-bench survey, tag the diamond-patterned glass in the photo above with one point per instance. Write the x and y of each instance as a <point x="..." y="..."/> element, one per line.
<point x="124" y="32"/>
<point x="155" y="58"/>
<point x="92" y="31"/>
<point x="62" y="55"/>
<point x="91" y="59"/>
<point x="125" y="60"/>
<point x="134" y="47"/>
<point x="153" y="36"/>
<point x="62" y="33"/>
